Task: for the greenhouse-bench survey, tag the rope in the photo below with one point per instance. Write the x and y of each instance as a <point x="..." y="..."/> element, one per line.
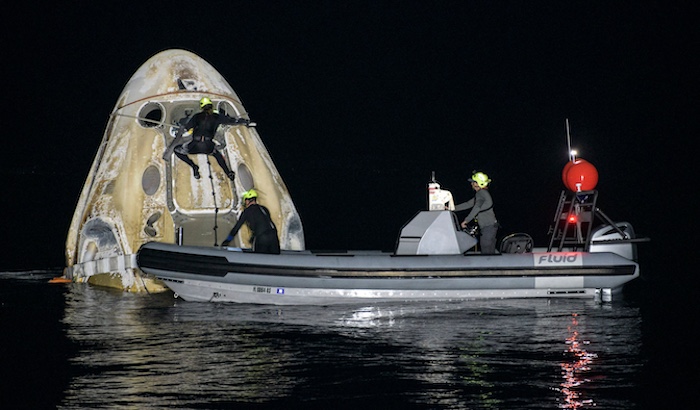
<point x="216" y="207"/>
<point x="171" y="93"/>
<point x="144" y="284"/>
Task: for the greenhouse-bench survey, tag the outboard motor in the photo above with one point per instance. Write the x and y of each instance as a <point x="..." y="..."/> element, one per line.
<point x="608" y="238"/>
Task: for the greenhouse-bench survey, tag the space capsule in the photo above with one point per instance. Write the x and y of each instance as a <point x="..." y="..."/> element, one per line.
<point x="135" y="194"/>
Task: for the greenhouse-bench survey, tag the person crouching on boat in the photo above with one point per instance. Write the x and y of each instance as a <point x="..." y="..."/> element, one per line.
<point x="481" y="210"/>
<point x="204" y="125"/>
<point x="257" y="217"/>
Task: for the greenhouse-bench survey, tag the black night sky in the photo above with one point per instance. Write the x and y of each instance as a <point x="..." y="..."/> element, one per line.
<point x="358" y="102"/>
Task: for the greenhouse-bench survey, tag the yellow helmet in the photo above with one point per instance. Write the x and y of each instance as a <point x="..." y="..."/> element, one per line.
<point x="204" y="102"/>
<point x="481" y="179"/>
<point x="249" y="194"/>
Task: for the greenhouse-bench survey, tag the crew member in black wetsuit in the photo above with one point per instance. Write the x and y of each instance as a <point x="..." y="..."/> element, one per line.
<point x="203" y="126"/>
<point x="264" y="232"/>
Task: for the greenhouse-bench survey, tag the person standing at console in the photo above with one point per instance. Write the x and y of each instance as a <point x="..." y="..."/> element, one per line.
<point x="482" y="211"/>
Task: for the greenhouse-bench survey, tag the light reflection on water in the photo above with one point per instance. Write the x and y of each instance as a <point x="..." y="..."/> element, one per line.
<point x="573" y="370"/>
<point x="154" y="351"/>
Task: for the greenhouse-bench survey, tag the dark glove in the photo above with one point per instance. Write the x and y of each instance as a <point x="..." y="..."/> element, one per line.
<point x="247" y="123"/>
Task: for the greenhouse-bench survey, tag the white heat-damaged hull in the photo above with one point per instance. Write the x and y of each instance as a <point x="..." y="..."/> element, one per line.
<point x="133" y="196"/>
<point x="303" y="277"/>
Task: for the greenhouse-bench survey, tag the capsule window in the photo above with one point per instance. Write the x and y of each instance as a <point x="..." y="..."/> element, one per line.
<point x="225" y="107"/>
<point x="245" y="177"/>
<point x="151" y="115"/>
<point x="150" y="181"/>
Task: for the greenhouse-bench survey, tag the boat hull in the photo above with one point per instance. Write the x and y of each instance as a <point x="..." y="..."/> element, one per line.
<point x="303" y="277"/>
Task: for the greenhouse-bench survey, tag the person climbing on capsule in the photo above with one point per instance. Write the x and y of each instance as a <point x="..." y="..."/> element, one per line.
<point x="257" y="217"/>
<point x="204" y="125"/>
<point x="482" y="210"/>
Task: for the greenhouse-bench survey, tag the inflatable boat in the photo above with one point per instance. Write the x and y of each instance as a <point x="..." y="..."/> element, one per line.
<point x="434" y="259"/>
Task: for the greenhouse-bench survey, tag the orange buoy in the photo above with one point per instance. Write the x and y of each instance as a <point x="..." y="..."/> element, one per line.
<point x="580" y="175"/>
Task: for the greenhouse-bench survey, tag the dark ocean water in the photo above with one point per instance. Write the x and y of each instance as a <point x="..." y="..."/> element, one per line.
<point x="76" y="346"/>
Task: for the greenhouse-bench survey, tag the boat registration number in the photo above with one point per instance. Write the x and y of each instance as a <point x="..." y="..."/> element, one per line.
<point x="262" y="289"/>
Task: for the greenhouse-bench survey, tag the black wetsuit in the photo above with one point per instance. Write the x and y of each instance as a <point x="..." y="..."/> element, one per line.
<point x="204" y="127"/>
<point x="264" y="232"/>
<point x="482" y="210"/>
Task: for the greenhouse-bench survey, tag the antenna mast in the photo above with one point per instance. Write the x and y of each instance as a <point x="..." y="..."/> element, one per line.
<point x="572" y="154"/>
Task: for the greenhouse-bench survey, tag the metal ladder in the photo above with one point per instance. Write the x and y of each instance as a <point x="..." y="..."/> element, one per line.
<point x="573" y="221"/>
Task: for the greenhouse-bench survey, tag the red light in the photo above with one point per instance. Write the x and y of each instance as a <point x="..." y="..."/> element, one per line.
<point x="572" y="219"/>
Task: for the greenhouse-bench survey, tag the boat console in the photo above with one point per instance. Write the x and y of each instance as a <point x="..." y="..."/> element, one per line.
<point x="434" y="233"/>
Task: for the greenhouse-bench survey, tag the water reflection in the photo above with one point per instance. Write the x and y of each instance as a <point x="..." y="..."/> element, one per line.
<point x="579" y="362"/>
<point x="138" y="350"/>
<point x="156" y="351"/>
